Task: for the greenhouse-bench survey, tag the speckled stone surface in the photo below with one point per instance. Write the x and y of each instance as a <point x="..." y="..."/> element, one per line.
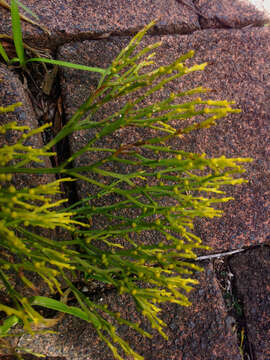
<point x="239" y="69"/>
<point x="252" y="282"/>
<point x="77" y="19"/>
<point x="12" y="91"/>
<point x="231" y="14"/>
<point x="198" y="332"/>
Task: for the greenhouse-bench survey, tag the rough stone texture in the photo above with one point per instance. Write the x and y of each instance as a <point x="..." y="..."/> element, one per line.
<point x="198" y="332"/>
<point x="12" y="91"/>
<point x="231" y="14"/>
<point x="252" y="282"/>
<point x="64" y="18"/>
<point x="239" y="69"/>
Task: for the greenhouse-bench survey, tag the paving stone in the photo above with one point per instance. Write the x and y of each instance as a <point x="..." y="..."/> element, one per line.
<point x="239" y="69"/>
<point x="12" y="91"/>
<point x="64" y="18"/>
<point x="231" y="14"/>
<point x="252" y="278"/>
<point x="200" y="331"/>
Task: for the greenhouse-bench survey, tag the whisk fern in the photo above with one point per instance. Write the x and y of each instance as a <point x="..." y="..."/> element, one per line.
<point x="162" y="190"/>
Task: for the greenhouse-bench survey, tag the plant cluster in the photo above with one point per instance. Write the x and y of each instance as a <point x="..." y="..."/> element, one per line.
<point x="163" y="191"/>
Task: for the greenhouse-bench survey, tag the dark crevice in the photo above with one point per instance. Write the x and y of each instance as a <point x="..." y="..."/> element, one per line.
<point x="60" y="40"/>
<point x="242" y="329"/>
<point x="93" y="289"/>
<point x="44" y="106"/>
<point x="49" y="109"/>
<point x="234" y="305"/>
<point x="63" y="149"/>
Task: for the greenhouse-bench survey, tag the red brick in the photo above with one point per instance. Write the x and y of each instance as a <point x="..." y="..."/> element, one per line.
<point x="68" y="20"/>
<point x="239" y="69"/>
<point x="231" y="14"/>
<point x="198" y="332"/>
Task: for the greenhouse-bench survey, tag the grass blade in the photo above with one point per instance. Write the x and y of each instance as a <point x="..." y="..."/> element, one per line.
<point x="26" y="9"/>
<point x="68" y="64"/>
<point x="59" y="306"/>
<point x="17" y="32"/>
<point x="3" y="53"/>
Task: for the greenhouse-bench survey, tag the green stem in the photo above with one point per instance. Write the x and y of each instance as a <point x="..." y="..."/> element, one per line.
<point x="13" y="170"/>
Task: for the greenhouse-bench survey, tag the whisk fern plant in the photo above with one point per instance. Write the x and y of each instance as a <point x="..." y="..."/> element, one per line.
<point x="140" y="187"/>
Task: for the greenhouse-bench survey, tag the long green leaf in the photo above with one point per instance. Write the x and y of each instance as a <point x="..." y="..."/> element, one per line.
<point x="4" y="54"/>
<point x="68" y="64"/>
<point x="17" y="31"/>
<point x="58" y="306"/>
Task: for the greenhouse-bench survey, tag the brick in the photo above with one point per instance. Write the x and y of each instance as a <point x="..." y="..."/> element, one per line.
<point x="12" y="91"/>
<point x="198" y="332"/>
<point x="68" y="20"/>
<point x="232" y="14"/>
<point x="239" y="69"/>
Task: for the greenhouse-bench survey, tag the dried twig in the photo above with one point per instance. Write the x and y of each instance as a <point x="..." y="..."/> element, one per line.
<point x="212" y="256"/>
